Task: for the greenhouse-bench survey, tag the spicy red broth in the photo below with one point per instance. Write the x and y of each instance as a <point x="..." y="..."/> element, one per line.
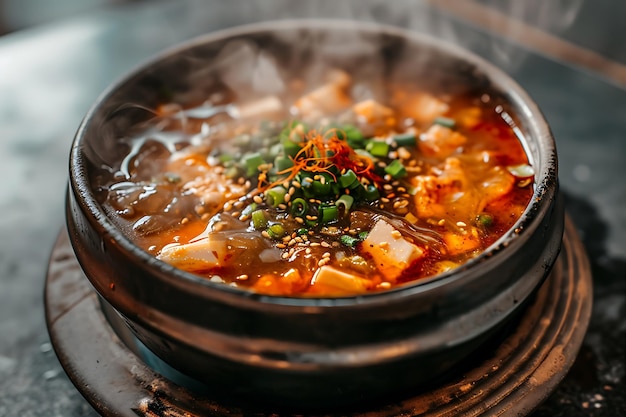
<point x="320" y="192"/>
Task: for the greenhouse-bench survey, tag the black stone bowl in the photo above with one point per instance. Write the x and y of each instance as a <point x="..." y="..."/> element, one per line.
<point x="312" y="351"/>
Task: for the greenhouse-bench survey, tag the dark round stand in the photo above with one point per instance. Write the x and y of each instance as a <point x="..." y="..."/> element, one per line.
<point x="511" y="375"/>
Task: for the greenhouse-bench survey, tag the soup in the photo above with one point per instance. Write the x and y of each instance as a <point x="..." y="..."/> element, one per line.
<point x="324" y="191"/>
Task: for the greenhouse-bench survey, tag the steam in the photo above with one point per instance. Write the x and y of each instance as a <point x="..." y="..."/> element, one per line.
<point x="252" y="72"/>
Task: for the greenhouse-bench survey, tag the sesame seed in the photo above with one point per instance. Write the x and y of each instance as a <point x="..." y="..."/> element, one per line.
<point x="326" y="255"/>
<point x="461" y="224"/>
<point x="403" y="153"/>
<point x="243" y="277"/>
<point x="281" y="245"/>
<point x="323" y="262"/>
<point x="265" y="234"/>
<point x="396" y="234"/>
<point x="282" y="206"/>
<point x="384" y="200"/>
<point x="316" y="244"/>
<point x="300" y="220"/>
<point x="384" y="285"/>
<point x="228" y="206"/>
<point x="441" y="222"/>
<point x="291" y="190"/>
<point x="285" y="255"/>
<point x="185" y="220"/>
<point x="236" y="213"/>
<point x="257" y="199"/>
<point x="384" y="245"/>
<point x="325" y="244"/>
<point x="287" y="198"/>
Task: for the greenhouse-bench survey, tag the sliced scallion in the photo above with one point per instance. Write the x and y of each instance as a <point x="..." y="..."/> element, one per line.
<point x="252" y="162"/>
<point x="371" y="193"/>
<point x="377" y="148"/>
<point x="247" y="211"/>
<point x="299" y="207"/>
<point x="347" y="179"/>
<point x="396" y="169"/>
<point x="484" y="219"/>
<point x="282" y="163"/>
<point x="406" y="139"/>
<point x="445" y="122"/>
<point x="259" y="221"/>
<point x="327" y="214"/>
<point x="275" y="196"/>
<point x="276" y="231"/>
<point x="344" y="203"/>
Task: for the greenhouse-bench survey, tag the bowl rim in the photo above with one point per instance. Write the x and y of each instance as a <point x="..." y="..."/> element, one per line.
<point x="546" y="180"/>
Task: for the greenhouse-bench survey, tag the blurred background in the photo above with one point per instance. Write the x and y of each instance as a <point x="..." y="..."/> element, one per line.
<point x="599" y="25"/>
<point x="57" y="56"/>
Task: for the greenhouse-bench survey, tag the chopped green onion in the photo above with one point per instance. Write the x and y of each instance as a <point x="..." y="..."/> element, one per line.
<point x="275" y="196"/>
<point x="321" y="189"/>
<point x="281" y="163"/>
<point x="252" y="162"/>
<point x="362" y="235"/>
<point x="259" y="221"/>
<point x="352" y="133"/>
<point x="371" y="193"/>
<point x="327" y="214"/>
<point x="445" y="122"/>
<point x="484" y="219"/>
<point x="247" y="211"/>
<point x="344" y="203"/>
<point x="377" y="148"/>
<point x="302" y="231"/>
<point x="395" y="169"/>
<point x="299" y="207"/>
<point x="349" y="240"/>
<point x="276" y="231"/>
<point x="411" y="190"/>
<point x="347" y="179"/>
<point x="406" y="139"/>
<point x="225" y="157"/>
<point x="290" y="147"/>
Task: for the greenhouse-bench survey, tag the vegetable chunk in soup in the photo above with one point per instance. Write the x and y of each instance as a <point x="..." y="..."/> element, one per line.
<point x="318" y="193"/>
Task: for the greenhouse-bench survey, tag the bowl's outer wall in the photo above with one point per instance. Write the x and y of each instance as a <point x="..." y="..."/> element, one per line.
<point x="310" y="349"/>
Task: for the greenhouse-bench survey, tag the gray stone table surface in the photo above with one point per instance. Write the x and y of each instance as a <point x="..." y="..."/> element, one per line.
<point x="50" y="75"/>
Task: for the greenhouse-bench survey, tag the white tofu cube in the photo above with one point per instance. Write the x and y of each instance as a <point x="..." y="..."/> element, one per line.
<point x="391" y="252"/>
